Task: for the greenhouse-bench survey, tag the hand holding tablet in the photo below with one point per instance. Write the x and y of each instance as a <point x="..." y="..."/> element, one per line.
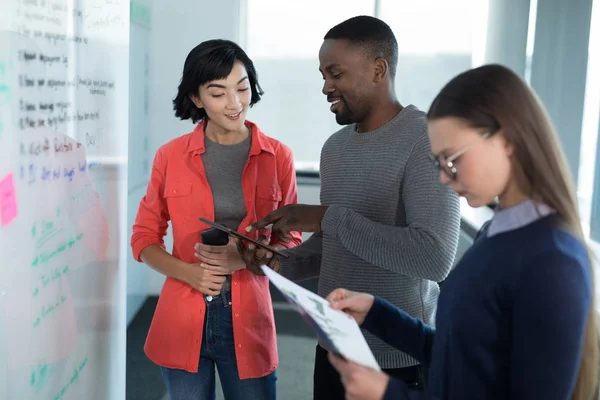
<point x="243" y="237"/>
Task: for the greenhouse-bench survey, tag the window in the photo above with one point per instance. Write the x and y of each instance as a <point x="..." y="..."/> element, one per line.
<point x="291" y="30"/>
<point x="530" y="39"/>
<point x="283" y="40"/>
<point x="436" y="41"/>
<point x="589" y="135"/>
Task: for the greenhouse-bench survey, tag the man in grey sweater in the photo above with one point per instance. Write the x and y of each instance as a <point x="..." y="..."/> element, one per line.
<point x="386" y="225"/>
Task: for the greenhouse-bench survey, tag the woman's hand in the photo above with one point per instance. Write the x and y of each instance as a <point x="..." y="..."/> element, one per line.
<point x="361" y="383"/>
<point x="355" y="304"/>
<point x="202" y="279"/>
<point x="223" y="260"/>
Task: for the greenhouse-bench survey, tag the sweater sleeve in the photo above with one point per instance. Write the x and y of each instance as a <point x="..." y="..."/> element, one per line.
<point x="304" y="260"/>
<point x="552" y="303"/>
<point x="426" y="246"/>
<point x="400" y="330"/>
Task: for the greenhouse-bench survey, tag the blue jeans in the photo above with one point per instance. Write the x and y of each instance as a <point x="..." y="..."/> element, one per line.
<point x="218" y="349"/>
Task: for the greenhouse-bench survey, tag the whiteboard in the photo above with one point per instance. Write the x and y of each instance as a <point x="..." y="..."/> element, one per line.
<point x="139" y="88"/>
<point x="63" y="186"/>
<point x="139" y="161"/>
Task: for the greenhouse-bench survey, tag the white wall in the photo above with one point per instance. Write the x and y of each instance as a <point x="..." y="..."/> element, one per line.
<point x="176" y="29"/>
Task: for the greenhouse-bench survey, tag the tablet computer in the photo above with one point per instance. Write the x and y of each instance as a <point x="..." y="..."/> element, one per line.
<point x="243" y="237"/>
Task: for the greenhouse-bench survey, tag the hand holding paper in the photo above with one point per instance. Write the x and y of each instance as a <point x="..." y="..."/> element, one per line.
<point x="355" y="304"/>
<point x="360" y="383"/>
<point x="338" y="330"/>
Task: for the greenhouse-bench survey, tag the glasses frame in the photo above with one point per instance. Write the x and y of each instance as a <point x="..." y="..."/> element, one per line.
<point x="448" y="165"/>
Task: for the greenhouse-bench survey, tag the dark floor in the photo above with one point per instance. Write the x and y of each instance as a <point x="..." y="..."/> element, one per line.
<point x="296" y="355"/>
<point x="144" y="381"/>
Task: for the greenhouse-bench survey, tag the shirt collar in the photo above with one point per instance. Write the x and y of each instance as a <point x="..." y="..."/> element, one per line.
<point x="258" y="141"/>
<point x="518" y="216"/>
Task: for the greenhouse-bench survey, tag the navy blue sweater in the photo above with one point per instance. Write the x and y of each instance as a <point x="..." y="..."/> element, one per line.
<point x="510" y="321"/>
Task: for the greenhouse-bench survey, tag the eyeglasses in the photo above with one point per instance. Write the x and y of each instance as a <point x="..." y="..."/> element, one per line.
<point x="448" y="164"/>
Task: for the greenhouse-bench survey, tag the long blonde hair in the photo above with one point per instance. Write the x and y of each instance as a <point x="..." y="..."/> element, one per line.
<point x="493" y="97"/>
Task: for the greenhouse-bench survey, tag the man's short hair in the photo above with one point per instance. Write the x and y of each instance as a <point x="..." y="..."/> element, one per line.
<point x="373" y="34"/>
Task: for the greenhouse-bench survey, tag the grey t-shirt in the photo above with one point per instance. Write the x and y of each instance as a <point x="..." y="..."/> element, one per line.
<point x="224" y="165"/>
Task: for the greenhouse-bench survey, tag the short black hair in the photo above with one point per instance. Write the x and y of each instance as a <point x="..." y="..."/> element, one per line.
<point x="209" y="61"/>
<point x="373" y="34"/>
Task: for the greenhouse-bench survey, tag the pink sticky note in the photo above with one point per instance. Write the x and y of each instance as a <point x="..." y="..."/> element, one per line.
<point x="8" y="200"/>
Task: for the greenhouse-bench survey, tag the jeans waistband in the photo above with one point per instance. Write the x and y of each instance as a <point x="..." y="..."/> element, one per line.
<point x="223" y="298"/>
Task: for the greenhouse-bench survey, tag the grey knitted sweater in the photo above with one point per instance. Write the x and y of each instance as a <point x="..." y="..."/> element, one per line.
<point x="391" y="228"/>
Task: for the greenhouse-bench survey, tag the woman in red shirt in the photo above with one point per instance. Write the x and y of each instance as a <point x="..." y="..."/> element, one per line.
<point x="212" y="311"/>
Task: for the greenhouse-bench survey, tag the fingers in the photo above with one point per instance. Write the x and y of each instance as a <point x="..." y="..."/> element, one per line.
<point x="210" y="274"/>
<point x="234" y="243"/>
<point x="282" y="232"/>
<point x="339" y="305"/>
<point x="213" y="255"/>
<point x="338" y="363"/>
<point x="342" y="364"/>
<point x="265" y="222"/>
<point x="256" y="260"/>
<point x="216" y="270"/>
<point x="212" y="291"/>
<point x="211" y="286"/>
<point x="204" y="248"/>
<point x="263" y="239"/>
<point x="341" y="299"/>
<point x="208" y="260"/>
<point x="260" y="254"/>
<point x="241" y="249"/>
<point x="256" y="270"/>
<point x="255" y="256"/>
<point x="337" y="295"/>
<point x="218" y="278"/>
<point x="215" y="279"/>
<point x="274" y="265"/>
<point x="252" y="253"/>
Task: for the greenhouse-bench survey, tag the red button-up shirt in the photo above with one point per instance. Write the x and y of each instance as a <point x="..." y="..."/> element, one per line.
<point x="179" y="192"/>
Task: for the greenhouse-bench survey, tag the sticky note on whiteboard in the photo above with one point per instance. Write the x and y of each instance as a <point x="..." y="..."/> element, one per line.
<point x="8" y="200"/>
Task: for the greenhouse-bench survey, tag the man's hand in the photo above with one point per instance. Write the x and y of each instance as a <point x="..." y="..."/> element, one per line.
<point x="293" y="217"/>
<point x="255" y="256"/>
<point x="222" y="260"/>
<point x="361" y="383"/>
